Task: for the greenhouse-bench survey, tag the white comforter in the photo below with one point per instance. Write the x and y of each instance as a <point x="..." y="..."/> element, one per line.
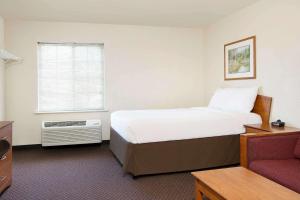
<point x="144" y="126"/>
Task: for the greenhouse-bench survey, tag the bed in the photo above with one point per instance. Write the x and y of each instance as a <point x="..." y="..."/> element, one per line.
<point x="135" y="144"/>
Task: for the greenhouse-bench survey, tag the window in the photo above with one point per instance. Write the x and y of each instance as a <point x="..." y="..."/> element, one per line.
<point x="70" y="77"/>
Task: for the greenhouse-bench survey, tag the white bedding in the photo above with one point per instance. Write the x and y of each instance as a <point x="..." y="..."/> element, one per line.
<point x="145" y="126"/>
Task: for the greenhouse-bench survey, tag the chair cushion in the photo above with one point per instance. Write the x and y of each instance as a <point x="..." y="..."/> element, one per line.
<point x="276" y="147"/>
<point x="297" y="149"/>
<point x="284" y="172"/>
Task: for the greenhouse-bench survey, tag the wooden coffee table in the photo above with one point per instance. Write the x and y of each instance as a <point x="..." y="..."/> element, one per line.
<point x="239" y="183"/>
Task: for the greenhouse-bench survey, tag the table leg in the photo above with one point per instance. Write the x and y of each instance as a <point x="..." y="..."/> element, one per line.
<point x="199" y="194"/>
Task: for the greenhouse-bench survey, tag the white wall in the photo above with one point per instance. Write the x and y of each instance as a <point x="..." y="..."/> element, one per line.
<point x="276" y="26"/>
<point x="2" y="72"/>
<point x="146" y="67"/>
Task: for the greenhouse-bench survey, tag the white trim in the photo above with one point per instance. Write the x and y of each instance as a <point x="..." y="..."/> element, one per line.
<point x="104" y="78"/>
<point x="37" y="75"/>
<point x="78" y="111"/>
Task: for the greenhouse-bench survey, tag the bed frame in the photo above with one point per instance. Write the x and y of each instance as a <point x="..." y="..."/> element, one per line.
<point x="183" y="155"/>
<point x="262" y="107"/>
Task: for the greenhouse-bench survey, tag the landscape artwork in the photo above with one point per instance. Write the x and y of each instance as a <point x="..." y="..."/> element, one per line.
<point x="240" y="59"/>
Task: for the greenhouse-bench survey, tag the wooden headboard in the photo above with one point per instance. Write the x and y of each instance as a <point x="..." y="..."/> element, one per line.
<point x="262" y="107"/>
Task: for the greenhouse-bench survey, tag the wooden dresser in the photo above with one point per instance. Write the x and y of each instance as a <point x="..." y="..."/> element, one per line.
<point x="6" y="158"/>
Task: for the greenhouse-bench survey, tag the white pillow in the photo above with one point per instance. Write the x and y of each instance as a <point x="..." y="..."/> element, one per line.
<point x="234" y="99"/>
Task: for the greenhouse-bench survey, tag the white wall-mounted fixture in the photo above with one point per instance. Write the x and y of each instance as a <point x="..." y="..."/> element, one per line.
<point x="56" y="133"/>
<point x="8" y="57"/>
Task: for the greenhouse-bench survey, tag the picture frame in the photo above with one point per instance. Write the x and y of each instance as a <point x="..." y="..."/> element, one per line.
<point x="240" y="59"/>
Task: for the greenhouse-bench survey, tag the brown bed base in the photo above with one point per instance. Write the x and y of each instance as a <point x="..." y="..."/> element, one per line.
<point x="182" y="155"/>
<point x="175" y="156"/>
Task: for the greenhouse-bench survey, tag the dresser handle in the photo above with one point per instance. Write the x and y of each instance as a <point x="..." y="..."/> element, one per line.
<point x="2" y="178"/>
<point x="3" y="157"/>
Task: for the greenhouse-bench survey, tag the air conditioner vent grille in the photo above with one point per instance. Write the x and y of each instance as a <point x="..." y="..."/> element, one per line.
<point x="71" y="132"/>
<point x="65" y="123"/>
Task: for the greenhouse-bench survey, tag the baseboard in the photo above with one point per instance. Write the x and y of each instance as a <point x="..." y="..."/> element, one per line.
<point x="39" y="146"/>
<point x="31" y="146"/>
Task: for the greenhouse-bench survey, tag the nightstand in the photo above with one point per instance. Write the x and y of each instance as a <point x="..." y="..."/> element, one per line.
<point x="268" y="128"/>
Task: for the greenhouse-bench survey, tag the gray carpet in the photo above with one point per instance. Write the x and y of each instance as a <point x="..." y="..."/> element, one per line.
<point x="87" y="173"/>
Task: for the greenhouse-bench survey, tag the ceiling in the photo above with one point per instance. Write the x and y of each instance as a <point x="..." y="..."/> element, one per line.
<point x="187" y="13"/>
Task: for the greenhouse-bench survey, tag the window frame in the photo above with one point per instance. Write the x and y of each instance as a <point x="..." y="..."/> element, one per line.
<point x="37" y="111"/>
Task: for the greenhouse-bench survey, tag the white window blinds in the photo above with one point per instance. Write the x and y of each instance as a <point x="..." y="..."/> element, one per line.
<point x="70" y="77"/>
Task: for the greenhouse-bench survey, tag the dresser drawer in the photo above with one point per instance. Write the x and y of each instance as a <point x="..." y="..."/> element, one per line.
<point x="5" y="133"/>
<point x="5" y="171"/>
<point x="6" y="160"/>
<point x="5" y="178"/>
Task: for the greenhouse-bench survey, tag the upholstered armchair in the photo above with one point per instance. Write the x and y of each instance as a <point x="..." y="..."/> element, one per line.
<point x="274" y="156"/>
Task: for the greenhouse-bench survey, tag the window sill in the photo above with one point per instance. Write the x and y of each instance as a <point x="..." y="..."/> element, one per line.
<point x="61" y="112"/>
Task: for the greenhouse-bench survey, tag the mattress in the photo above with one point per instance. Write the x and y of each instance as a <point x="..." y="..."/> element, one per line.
<point x="146" y="126"/>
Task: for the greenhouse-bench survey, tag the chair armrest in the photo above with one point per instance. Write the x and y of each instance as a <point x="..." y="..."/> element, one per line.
<point x="266" y="146"/>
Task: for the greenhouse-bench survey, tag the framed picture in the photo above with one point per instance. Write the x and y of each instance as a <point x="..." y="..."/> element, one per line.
<point x="240" y="59"/>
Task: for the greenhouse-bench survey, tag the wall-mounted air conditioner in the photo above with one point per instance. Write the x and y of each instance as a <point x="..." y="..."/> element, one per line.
<point x="56" y="133"/>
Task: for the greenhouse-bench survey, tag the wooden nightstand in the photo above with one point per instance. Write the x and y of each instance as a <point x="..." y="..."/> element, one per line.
<point x="268" y="128"/>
